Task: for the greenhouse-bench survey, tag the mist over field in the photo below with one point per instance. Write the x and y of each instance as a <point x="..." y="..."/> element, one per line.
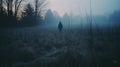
<point x="59" y="33"/>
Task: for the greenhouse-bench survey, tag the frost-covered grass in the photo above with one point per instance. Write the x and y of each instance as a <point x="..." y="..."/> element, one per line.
<point x="43" y="47"/>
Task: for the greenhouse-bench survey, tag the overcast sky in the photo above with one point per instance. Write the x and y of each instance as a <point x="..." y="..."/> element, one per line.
<point x="82" y="6"/>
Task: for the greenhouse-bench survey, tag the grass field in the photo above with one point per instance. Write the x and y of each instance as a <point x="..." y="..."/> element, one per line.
<point x="43" y="47"/>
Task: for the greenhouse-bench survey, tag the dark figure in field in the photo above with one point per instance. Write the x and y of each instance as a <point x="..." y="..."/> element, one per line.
<point x="60" y="26"/>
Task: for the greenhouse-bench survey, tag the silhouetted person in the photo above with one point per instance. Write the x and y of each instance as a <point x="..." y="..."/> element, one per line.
<point x="60" y="26"/>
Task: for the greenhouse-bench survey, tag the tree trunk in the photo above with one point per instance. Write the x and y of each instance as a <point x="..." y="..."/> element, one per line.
<point x="1" y="7"/>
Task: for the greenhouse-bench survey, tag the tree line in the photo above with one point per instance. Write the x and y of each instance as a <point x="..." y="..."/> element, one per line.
<point x="18" y="13"/>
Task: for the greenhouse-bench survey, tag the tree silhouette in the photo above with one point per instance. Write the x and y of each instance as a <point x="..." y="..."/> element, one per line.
<point x="17" y="4"/>
<point x="39" y="9"/>
<point x="28" y="16"/>
<point x="1" y="7"/>
<point x="115" y="18"/>
<point x="49" y="17"/>
<point x="9" y="10"/>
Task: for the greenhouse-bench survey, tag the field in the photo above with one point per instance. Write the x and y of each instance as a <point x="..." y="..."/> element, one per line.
<point x="43" y="47"/>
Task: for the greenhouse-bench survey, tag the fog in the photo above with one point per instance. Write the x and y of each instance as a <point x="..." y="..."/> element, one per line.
<point x="99" y="7"/>
<point x="52" y="18"/>
<point x="59" y="33"/>
<point x="75" y="13"/>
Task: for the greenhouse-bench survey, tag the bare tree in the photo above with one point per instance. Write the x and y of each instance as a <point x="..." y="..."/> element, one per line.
<point x="9" y="4"/>
<point x="13" y="6"/>
<point x="36" y="7"/>
<point x="39" y="7"/>
<point x="91" y="40"/>
<point x="1" y="6"/>
<point x="91" y="25"/>
<point x="17" y="4"/>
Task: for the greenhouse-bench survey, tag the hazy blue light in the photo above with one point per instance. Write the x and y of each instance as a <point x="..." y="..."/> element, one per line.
<point x="82" y="6"/>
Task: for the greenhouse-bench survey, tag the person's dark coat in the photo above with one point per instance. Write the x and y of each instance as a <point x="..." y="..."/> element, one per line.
<point x="60" y="26"/>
